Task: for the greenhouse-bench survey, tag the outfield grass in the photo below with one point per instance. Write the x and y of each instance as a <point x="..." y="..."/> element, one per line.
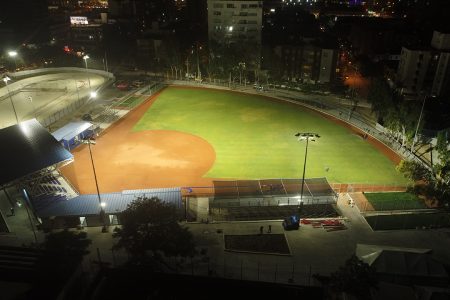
<point x="394" y="201"/>
<point x="253" y="137"/>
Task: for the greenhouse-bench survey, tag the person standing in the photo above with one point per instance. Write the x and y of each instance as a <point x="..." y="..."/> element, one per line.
<point x="12" y="211"/>
<point x="270" y="229"/>
<point x="261" y="230"/>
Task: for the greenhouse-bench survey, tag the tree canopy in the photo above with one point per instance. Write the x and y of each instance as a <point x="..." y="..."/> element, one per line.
<point x="355" y="277"/>
<point x="63" y="252"/>
<point x="150" y="226"/>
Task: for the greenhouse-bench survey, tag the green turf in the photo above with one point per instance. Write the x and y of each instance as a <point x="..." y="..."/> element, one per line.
<point x="394" y="201"/>
<point x="408" y="221"/>
<point x="253" y="138"/>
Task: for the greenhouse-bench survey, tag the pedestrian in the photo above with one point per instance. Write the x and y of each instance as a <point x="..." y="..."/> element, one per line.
<point x="12" y="211"/>
<point x="261" y="230"/>
<point x="270" y="229"/>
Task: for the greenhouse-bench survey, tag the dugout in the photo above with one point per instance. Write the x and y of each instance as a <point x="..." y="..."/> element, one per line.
<point x="84" y="210"/>
<point x="71" y="134"/>
<point x="28" y="153"/>
<point x="264" y="199"/>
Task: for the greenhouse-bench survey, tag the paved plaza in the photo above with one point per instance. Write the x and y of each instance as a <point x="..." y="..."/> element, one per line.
<point x="313" y="250"/>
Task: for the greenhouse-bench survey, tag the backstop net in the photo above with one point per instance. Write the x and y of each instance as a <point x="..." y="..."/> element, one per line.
<point x="261" y="199"/>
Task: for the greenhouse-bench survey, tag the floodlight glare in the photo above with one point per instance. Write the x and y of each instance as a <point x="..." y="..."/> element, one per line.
<point x="93" y="94"/>
<point x="12" y="53"/>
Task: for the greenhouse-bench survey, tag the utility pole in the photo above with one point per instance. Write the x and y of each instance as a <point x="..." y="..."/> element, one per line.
<point x="199" y="75"/>
<point x="187" y="66"/>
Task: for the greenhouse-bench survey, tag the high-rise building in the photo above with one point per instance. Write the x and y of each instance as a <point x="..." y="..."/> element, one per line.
<point x="306" y="63"/>
<point x="235" y="21"/>
<point x="426" y="69"/>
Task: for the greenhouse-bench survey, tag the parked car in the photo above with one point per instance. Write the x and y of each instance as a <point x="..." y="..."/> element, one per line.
<point x="123" y="85"/>
<point x="137" y="83"/>
<point x="291" y="223"/>
<point x="86" y="117"/>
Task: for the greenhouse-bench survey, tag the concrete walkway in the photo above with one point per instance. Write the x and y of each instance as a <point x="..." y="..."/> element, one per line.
<point x="313" y="250"/>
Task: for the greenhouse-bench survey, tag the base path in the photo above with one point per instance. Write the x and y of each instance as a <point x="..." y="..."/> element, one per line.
<point x="125" y="159"/>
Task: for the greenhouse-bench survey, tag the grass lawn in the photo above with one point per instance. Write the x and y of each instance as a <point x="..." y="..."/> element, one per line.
<point x="394" y="201"/>
<point x="253" y="138"/>
<point x="408" y="221"/>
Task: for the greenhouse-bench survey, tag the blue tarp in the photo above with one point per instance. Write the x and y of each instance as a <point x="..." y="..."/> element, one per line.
<point x="71" y="130"/>
<point x="85" y="205"/>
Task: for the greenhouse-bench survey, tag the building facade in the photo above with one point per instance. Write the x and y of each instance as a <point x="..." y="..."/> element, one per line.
<point x="426" y="70"/>
<point x="306" y="63"/>
<point x="235" y="21"/>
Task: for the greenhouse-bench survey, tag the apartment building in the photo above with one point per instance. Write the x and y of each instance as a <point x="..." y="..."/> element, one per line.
<point x="426" y="69"/>
<point x="235" y="21"/>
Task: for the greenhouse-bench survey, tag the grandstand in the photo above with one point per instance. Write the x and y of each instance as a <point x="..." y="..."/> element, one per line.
<point x="237" y="200"/>
<point x="31" y="156"/>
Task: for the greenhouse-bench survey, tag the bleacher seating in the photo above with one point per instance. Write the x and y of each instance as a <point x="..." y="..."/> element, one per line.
<point x="245" y="213"/>
<point x="44" y="200"/>
<point x="18" y="263"/>
<point x="48" y="191"/>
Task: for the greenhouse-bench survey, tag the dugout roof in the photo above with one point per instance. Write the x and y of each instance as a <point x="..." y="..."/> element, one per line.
<point x="85" y="205"/>
<point x="71" y="130"/>
<point x="26" y="148"/>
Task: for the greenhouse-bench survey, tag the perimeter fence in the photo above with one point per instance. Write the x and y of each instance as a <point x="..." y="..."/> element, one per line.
<point x="266" y="199"/>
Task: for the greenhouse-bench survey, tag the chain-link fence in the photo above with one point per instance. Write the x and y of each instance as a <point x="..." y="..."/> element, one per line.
<point x="408" y="219"/>
<point x="228" y="266"/>
<point x="268" y="199"/>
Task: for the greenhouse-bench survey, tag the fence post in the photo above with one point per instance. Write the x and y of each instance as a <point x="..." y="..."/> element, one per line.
<point x="258" y="270"/>
<point x="310" y="274"/>
<point x="224" y="267"/>
<point x="276" y="270"/>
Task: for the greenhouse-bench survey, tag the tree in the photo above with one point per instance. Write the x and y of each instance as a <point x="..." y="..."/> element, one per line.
<point x="355" y="278"/>
<point x="150" y="226"/>
<point x="380" y="96"/>
<point x="414" y="170"/>
<point x="443" y="168"/>
<point x="63" y="252"/>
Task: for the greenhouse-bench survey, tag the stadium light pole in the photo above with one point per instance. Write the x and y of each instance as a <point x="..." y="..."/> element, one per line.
<point x="425" y="96"/>
<point x="300" y="137"/>
<point x="101" y="204"/>
<point x="86" y="57"/>
<point x="5" y="80"/>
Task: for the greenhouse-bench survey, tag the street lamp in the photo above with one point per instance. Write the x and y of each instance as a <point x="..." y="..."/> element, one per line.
<point x="6" y="79"/>
<point x="305" y="136"/>
<point x="86" y="57"/>
<point x="93" y="94"/>
<point x="101" y="204"/>
<point x="13" y="54"/>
